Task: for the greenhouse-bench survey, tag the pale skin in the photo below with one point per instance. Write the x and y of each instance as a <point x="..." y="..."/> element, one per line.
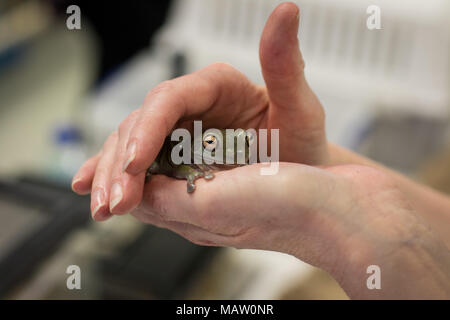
<point x="327" y="206"/>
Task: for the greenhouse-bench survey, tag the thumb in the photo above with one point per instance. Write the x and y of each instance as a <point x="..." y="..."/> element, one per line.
<point x="281" y="60"/>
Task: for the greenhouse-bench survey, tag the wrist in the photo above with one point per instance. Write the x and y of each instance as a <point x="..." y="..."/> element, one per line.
<point x="357" y="217"/>
<point x="431" y="205"/>
<point x="411" y="261"/>
<point x="406" y="269"/>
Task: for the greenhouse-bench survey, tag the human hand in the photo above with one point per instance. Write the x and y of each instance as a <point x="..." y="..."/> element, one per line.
<point x="221" y="97"/>
<point x="341" y="219"/>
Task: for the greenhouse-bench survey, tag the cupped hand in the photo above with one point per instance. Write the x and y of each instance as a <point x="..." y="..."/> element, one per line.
<point x="341" y="219"/>
<point x="221" y="97"/>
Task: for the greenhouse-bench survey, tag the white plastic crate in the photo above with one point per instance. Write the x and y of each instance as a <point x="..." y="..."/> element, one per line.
<point x="354" y="71"/>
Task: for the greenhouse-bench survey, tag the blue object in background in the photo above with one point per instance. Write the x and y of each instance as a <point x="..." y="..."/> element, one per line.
<point x="69" y="153"/>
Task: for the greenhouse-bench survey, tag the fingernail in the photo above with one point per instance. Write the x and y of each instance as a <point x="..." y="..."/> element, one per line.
<point x="74" y="182"/>
<point x="99" y="201"/>
<point x="131" y="154"/>
<point x="116" y="195"/>
<point x="103" y="216"/>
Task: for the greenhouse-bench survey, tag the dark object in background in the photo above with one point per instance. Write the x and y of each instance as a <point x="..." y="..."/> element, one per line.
<point x="158" y="265"/>
<point x="178" y="64"/>
<point x="122" y="27"/>
<point x="34" y="218"/>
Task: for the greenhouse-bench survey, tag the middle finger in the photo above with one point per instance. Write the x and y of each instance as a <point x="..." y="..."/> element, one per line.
<point x="126" y="189"/>
<point x="102" y="180"/>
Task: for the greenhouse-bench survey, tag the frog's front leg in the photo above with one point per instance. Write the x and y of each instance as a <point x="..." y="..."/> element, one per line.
<point x="190" y="174"/>
<point x="153" y="169"/>
<point x="207" y="171"/>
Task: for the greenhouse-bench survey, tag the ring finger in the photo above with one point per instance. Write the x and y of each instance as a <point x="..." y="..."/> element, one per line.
<point x="102" y="180"/>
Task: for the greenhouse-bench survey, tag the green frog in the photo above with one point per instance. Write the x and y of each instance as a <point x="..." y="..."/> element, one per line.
<point x="213" y="147"/>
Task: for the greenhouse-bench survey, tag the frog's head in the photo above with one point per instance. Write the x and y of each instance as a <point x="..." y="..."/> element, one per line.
<point x="236" y="148"/>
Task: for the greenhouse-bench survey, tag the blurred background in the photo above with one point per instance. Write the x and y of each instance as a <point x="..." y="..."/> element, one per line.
<point x="62" y="91"/>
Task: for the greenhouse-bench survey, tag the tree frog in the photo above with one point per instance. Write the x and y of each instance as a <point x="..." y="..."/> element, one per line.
<point x="208" y="156"/>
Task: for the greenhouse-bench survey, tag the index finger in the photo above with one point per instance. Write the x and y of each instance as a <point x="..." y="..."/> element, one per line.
<point x="183" y="98"/>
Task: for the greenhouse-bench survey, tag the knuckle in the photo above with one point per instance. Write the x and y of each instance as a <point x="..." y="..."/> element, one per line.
<point x="95" y="158"/>
<point x="224" y="69"/>
<point x="101" y="173"/>
<point x="113" y="135"/>
<point x="161" y="88"/>
<point x="116" y="177"/>
<point x="129" y="120"/>
<point x="111" y="139"/>
<point x="90" y="162"/>
<point x="123" y="126"/>
<point x="134" y="114"/>
<point x="221" y="66"/>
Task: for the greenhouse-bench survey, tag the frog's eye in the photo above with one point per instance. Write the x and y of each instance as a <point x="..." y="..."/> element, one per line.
<point x="210" y="143"/>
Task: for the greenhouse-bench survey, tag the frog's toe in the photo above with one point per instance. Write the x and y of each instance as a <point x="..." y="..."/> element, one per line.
<point x="209" y="175"/>
<point x="190" y="187"/>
